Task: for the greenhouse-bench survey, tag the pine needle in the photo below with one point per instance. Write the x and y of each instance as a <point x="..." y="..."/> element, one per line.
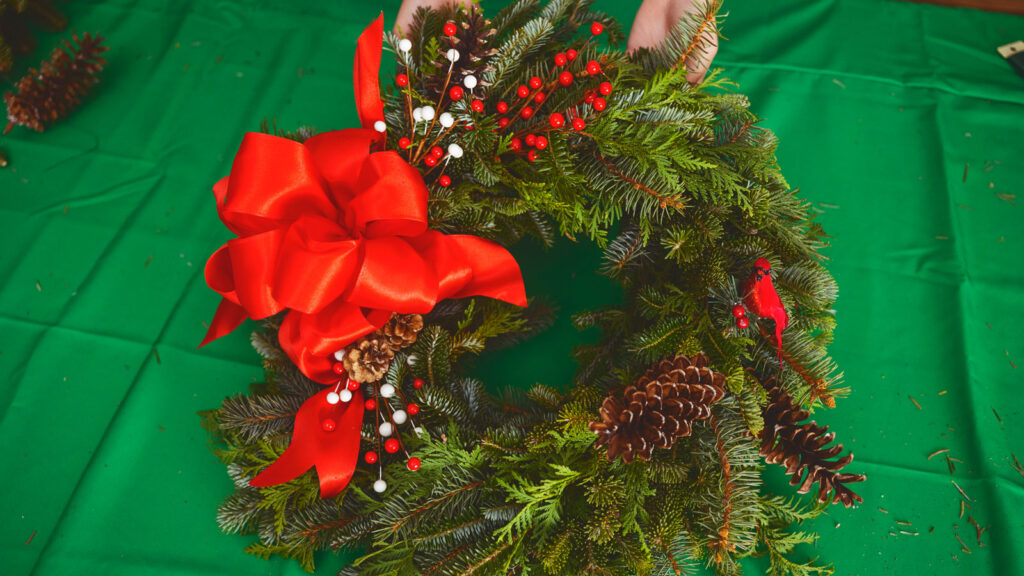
<point x="961" y="491"/>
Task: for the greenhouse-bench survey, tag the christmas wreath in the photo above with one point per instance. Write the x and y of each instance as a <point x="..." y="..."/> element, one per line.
<point x="374" y="258"/>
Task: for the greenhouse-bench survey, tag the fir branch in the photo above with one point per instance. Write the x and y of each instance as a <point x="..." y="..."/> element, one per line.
<point x="720" y="540"/>
<point x="664" y="200"/>
<point x="397" y="525"/>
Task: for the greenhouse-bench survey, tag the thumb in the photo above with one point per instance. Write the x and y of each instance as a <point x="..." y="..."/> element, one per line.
<point x="656" y="19"/>
<point x="408" y="9"/>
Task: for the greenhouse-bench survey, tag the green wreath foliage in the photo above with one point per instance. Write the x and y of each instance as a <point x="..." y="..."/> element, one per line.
<point x="679" y="185"/>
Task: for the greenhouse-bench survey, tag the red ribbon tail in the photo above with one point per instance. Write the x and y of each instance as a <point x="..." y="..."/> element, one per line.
<point x="367" y="74"/>
<point x="496" y="273"/>
<point x="326" y="436"/>
<point x="228" y="317"/>
<point x="288" y="466"/>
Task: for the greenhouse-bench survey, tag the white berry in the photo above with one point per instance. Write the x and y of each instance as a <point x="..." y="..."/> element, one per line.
<point x="333" y="398"/>
<point x="455" y="150"/>
<point x="453" y="54"/>
<point x="346" y="395"/>
<point x="399" y="417"/>
<point x="411" y="360"/>
<point x="380" y="486"/>
<point x="446" y="119"/>
<point x="428" y="113"/>
<point x="387" y="390"/>
<point x="405" y="45"/>
<point x="339" y="355"/>
<point x="417" y="115"/>
<point x="386" y="429"/>
<point x="380" y="126"/>
<point x="469" y="81"/>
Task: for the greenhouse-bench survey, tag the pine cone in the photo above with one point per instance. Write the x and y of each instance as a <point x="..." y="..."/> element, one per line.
<point x="659" y="408"/>
<point x="402" y="329"/>
<point x="801" y="447"/>
<point x="367" y="359"/>
<point x="51" y="93"/>
<point x="472" y="40"/>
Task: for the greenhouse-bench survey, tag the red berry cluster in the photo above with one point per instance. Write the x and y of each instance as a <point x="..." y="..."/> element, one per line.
<point x="418" y="143"/>
<point x="530" y="96"/>
<point x="740" y="313"/>
<point x="385" y="402"/>
<point x="536" y="91"/>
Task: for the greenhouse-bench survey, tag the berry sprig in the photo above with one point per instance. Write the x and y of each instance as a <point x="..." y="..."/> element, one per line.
<point x="424" y="144"/>
<point x="426" y="147"/>
<point x="740" y="313"/>
<point x="387" y="417"/>
<point x="533" y="95"/>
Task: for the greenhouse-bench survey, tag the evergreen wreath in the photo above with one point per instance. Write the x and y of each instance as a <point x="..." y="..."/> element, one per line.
<point x="649" y="463"/>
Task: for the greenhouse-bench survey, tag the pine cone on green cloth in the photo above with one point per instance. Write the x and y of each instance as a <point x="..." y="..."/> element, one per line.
<point x="801" y="448"/>
<point x="56" y="89"/>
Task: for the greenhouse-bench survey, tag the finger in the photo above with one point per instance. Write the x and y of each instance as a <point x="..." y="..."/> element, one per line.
<point x="656" y="19"/>
<point x="700" y="61"/>
<point x="408" y="9"/>
<point x="651" y="25"/>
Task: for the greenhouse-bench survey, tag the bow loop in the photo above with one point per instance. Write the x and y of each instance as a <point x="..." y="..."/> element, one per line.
<point x="340" y="156"/>
<point x="273" y="180"/>
<point x="253" y="261"/>
<point x="311" y="339"/>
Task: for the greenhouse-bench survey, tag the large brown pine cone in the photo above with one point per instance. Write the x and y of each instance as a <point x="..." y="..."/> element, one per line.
<point x="659" y="408"/>
<point x="402" y="329"/>
<point x="801" y="448"/>
<point x="367" y="359"/>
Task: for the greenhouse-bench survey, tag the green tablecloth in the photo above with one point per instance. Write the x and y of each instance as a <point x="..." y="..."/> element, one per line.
<point x="898" y="121"/>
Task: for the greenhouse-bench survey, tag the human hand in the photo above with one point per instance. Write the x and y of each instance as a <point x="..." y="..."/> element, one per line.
<point x="654" y="21"/>
<point x="408" y="9"/>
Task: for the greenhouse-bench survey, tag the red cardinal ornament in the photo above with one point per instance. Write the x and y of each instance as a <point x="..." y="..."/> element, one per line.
<point x="762" y="299"/>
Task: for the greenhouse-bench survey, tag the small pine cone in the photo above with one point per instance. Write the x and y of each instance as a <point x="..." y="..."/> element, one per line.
<point x="802" y="448"/>
<point x="402" y="329"/>
<point x="55" y="90"/>
<point x="659" y="408"/>
<point x="367" y="359"/>
<point x="472" y="40"/>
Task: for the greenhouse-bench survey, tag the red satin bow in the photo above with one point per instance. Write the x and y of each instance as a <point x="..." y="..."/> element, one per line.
<point x="336" y="235"/>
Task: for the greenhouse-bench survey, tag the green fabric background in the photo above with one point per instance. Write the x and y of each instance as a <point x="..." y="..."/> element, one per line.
<point x="107" y="219"/>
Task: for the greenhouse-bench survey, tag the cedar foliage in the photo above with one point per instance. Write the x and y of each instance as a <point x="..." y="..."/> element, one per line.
<point x="56" y="89"/>
<point x="680" y="187"/>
